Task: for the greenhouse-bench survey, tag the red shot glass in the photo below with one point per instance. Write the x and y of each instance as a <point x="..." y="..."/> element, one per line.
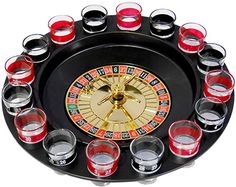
<point x="62" y="29"/>
<point x="219" y="84"/>
<point x="102" y="157"/>
<point x="31" y="125"/>
<point x="128" y="16"/>
<point x="20" y="68"/>
<point x="184" y="138"/>
<point x="191" y="37"/>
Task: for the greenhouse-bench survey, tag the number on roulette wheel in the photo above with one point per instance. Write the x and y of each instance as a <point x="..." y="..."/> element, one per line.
<point x="121" y="96"/>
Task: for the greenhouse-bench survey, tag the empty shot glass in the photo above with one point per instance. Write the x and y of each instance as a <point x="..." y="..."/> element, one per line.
<point x="31" y="125"/>
<point x="184" y="138"/>
<point x="162" y="23"/>
<point x="94" y="18"/>
<point x="60" y="146"/>
<point x="147" y="153"/>
<point x="219" y="84"/>
<point x="20" y="68"/>
<point x="102" y="157"/>
<point x="17" y="96"/>
<point x="36" y="46"/>
<point x="210" y="114"/>
<point x="128" y="16"/>
<point x="191" y="37"/>
<point x="62" y="29"/>
<point x="210" y="57"/>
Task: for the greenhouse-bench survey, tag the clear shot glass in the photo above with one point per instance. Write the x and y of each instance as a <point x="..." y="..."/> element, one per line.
<point x="147" y="153"/>
<point x="128" y="16"/>
<point x="184" y="138"/>
<point x="162" y="23"/>
<point x="94" y="18"/>
<point x="219" y="84"/>
<point x="62" y="29"/>
<point x="60" y="145"/>
<point x="36" y="46"/>
<point x="210" y="57"/>
<point x="31" y="125"/>
<point x="17" y="96"/>
<point x="210" y="114"/>
<point x="102" y="157"/>
<point x="191" y="37"/>
<point x="20" y="68"/>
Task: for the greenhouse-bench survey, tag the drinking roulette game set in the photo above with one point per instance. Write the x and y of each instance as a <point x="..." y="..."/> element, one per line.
<point x="118" y="98"/>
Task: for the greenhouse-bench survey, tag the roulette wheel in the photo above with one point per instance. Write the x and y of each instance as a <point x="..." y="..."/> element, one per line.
<point x="117" y="85"/>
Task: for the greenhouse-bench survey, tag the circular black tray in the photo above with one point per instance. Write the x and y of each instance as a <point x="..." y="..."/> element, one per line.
<point x="162" y="57"/>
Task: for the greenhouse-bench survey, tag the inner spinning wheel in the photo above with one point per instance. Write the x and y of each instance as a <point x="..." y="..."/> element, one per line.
<point x="117" y="102"/>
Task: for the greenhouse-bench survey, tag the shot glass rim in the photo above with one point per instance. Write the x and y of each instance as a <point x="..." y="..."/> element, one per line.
<point x="157" y="139"/>
<point x="185" y="121"/>
<point x="20" y="73"/>
<point x="182" y="26"/>
<point x="50" y="25"/>
<point x="104" y="17"/>
<point x="61" y="154"/>
<point x="117" y="12"/>
<point x="201" y="48"/>
<point x="12" y="83"/>
<point x="151" y="20"/>
<point x="218" y="101"/>
<point x="107" y="140"/>
<point x="30" y="109"/>
<point x="44" y="38"/>
<point x="220" y="71"/>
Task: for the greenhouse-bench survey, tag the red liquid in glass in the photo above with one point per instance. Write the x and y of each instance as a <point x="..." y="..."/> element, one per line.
<point x="62" y="31"/>
<point x="186" y="150"/>
<point x="31" y="136"/>
<point x="102" y="170"/>
<point x="134" y="20"/>
<point x="218" y="80"/>
<point x="21" y="71"/>
<point x="190" y="34"/>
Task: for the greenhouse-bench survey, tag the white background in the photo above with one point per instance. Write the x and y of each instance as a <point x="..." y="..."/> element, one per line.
<point x="19" y="18"/>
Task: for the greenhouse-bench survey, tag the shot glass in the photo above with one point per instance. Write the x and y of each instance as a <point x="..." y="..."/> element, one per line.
<point x="60" y="146"/>
<point x="219" y="84"/>
<point x="162" y="23"/>
<point x="210" y="114"/>
<point x="31" y="125"/>
<point x="147" y="153"/>
<point x="16" y="97"/>
<point x="210" y="57"/>
<point x="62" y="29"/>
<point x="94" y="18"/>
<point x="191" y="37"/>
<point x="102" y="157"/>
<point x="128" y="16"/>
<point x="20" y="68"/>
<point x="36" y="46"/>
<point x="184" y="138"/>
